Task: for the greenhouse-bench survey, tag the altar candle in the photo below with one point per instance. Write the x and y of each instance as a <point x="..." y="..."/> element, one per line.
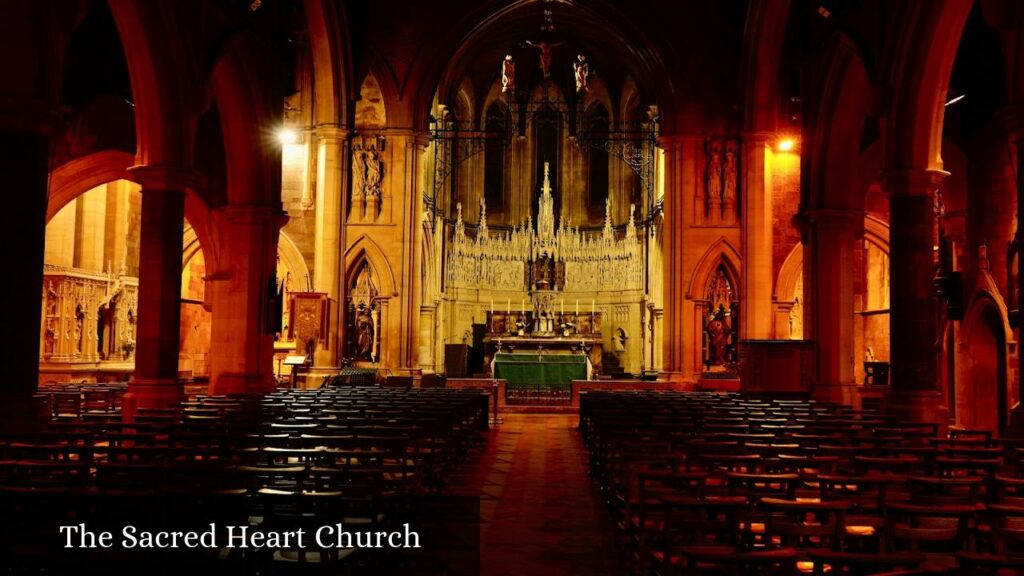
<point x="562" y="306"/>
<point x="508" y="306"/>
<point x="577" y="306"/>
<point x="492" y="305"/>
<point x="522" y="305"/>
<point x="591" y="306"/>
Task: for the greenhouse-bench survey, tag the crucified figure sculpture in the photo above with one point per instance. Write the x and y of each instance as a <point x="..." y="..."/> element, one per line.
<point x="545" y="54"/>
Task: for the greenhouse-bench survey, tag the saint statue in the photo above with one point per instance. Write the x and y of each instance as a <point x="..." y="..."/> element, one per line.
<point x="718" y="338"/>
<point x="714" y="175"/>
<point x="545" y="54"/>
<point x="508" y="74"/>
<point x="730" y="175"/>
<point x="582" y="70"/>
<point x="373" y="172"/>
<point x="358" y="171"/>
<point x="364" y="325"/>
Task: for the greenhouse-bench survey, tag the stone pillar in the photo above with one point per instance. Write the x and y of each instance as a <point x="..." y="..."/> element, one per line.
<point x="756" y="280"/>
<point x="60" y="237"/>
<point x="328" y="267"/>
<point x="913" y="321"/>
<point x="829" y="300"/>
<point x="156" y="383"/>
<point x="243" y="284"/>
<point x="680" y="176"/>
<point x="90" y="229"/>
<point x="405" y="154"/>
<point x="24" y="161"/>
<point x="1015" y="422"/>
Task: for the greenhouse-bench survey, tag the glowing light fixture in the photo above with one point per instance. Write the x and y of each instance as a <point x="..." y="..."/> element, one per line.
<point x="287" y="136"/>
<point x="955" y="100"/>
<point x="786" y="145"/>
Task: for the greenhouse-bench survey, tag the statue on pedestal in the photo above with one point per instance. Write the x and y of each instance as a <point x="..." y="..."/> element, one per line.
<point x="508" y="74"/>
<point x="581" y="70"/>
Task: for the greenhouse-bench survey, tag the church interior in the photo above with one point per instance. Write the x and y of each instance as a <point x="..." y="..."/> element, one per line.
<point x="573" y="286"/>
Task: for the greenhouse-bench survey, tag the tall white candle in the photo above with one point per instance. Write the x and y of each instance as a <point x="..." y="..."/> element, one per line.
<point x="508" y="306"/>
<point x="577" y="306"/>
<point x="562" y="306"/>
<point x="492" y="305"/>
<point x="522" y="305"/>
<point x="591" y="306"/>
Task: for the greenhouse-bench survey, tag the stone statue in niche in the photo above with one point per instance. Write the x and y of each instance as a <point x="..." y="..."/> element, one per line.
<point x="620" y="340"/>
<point x="374" y="171"/>
<point x="358" y="171"/>
<point x="545" y="54"/>
<point x="51" y="300"/>
<point x="79" y="331"/>
<point x="718" y="337"/>
<point x="49" y="339"/>
<point x="581" y="70"/>
<point x="364" y="324"/>
<point x="729" y="176"/>
<point x="508" y="74"/>
<point x="714" y="175"/>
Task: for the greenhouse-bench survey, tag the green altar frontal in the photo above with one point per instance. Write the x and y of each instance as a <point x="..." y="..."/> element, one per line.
<point x="540" y="371"/>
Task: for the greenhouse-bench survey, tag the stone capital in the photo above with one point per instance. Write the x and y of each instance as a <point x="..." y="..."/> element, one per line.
<point x="913" y="182"/>
<point x="163" y="177"/>
<point x="331" y="132"/>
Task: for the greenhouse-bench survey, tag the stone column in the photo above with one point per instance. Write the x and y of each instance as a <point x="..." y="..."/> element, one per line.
<point x="679" y="177"/>
<point x="756" y="277"/>
<point x="156" y="383"/>
<point x="1015" y="422"/>
<point x="405" y="153"/>
<point x="328" y="268"/>
<point x="242" y="350"/>
<point x="90" y="229"/>
<point x="829" y="300"/>
<point x="24" y="161"/>
<point x="913" y="321"/>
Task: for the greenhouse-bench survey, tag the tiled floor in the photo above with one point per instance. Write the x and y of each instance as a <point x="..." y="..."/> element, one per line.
<point x="540" y="513"/>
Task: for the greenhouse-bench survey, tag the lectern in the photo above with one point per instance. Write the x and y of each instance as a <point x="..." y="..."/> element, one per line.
<point x="294" y="360"/>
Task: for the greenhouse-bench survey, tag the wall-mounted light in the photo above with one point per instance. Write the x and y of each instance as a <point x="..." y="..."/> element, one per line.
<point x="786" y="145"/>
<point x="287" y="136"/>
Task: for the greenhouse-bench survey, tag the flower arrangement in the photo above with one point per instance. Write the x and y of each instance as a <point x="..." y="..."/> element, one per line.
<point x="520" y="325"/>
<point x="567" y="327"/>
<point x="128" y="346"/>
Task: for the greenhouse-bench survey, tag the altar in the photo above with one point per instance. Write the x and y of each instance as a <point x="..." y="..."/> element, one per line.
<point x="541" y="368"/>
<point x="540" y="372"/>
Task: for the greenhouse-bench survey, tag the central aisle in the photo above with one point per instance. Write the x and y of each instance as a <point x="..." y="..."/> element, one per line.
<point x="540" y="513"/>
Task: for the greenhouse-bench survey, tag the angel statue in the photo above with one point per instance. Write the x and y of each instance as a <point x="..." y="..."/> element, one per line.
<point x="508" y="74"/>
<point x="582" y="70"/>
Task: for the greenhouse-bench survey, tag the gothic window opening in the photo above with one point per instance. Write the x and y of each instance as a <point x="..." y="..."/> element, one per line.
<point x="494" y="157"/>
<point x="598" y="126"/>
<point x="546" y="125"/>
